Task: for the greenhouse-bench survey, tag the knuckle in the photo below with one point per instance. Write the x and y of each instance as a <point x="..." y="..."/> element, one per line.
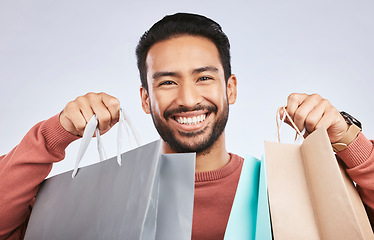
<point x="311" y="122"/>
<point x="102" y="95"/>
<point x="113" y="102"/>
<point x="104" y="118"/>
<point x="90" y="95"/>
<point x="315" y="95"/>
<point x="80" y="99"/>
<point x="332" y="111"/>
<point x="293" y="97"/>
<point x="70" y="106"/>
<point x="326" y="103"/>
<point x="299" y="115"/>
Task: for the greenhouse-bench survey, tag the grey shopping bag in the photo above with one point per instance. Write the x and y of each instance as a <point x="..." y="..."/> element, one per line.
<point x="150" y="196"/>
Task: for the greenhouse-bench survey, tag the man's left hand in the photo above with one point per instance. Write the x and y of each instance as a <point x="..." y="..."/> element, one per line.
<point x="312" y="112"/>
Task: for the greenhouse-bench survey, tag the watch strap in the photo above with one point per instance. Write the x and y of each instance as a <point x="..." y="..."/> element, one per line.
<point x="347" y="138"/>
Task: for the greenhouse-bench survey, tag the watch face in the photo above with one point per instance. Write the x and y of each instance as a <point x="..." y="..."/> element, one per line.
<point x="351" y="120"/>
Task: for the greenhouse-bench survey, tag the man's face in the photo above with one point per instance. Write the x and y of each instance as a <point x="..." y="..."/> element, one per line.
<point x="187" y="94"/>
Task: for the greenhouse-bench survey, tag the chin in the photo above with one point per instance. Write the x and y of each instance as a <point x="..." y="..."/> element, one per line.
<point x="198" y="144"/>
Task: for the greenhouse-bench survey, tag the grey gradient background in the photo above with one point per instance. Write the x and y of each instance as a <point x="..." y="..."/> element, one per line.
<point x="53" y="51"/>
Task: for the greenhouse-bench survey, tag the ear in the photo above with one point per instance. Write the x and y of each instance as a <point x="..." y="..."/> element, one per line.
<point x="145" y="100"/>
<point x="231" y="89"/>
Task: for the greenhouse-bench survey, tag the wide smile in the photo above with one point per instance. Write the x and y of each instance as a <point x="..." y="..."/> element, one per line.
<point x="190" y="121"/>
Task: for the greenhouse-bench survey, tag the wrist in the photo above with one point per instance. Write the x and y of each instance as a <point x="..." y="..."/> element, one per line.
<point x="358" y="151"/>
<point x="55" y="135"/>
<point x="347" y="138"/>
<point x="350" y="135"/>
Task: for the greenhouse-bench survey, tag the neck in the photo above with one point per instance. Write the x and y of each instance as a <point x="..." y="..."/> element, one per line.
<point x="213" y="158"/>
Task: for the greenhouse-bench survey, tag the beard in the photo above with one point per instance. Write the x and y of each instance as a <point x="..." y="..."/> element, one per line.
<point x="199" y="141"/>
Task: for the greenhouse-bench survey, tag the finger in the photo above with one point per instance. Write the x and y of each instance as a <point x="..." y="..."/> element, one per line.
<point x="332" y="122"/>
<point x="103" y="117"/>
<point x="316" y="115"/>
<point x="85" y="107"/>
<point x="102" y="113"/>
<point x="72" y="119"/>
<point x="304" y="109"/>
<point x="293" y="102"/>
<point x="113" y="106"/>
<point x="325" y="121"/>
<point x="310" y="102"/>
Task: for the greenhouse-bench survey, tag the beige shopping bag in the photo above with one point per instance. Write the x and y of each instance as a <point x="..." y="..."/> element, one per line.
<point x="310" y="194"/>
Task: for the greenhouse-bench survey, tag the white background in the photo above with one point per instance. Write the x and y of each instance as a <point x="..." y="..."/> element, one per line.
<point x="53" y="51"/>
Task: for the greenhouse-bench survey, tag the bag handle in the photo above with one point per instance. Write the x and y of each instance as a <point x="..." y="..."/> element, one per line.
<point x="92" y="128"/>
<point x="279" y="125"/>
<point x="123" y="119"/>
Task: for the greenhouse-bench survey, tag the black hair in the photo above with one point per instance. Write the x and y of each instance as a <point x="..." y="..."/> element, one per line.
<point x="183" y="24"/>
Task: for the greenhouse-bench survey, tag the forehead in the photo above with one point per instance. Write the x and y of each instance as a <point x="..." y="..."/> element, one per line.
<point x="182" y="53"/>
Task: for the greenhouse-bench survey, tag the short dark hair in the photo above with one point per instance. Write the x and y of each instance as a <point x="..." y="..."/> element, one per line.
<point x="183" y="24"/>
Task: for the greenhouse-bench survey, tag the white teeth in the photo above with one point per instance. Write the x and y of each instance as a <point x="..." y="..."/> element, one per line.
<point x="191" y="121"/>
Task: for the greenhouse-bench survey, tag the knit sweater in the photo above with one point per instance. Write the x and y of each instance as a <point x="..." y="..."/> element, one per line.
<point x="28" y="164"/>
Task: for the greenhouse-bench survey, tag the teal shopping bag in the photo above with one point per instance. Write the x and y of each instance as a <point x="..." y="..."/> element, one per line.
<point x="249" y="217"/>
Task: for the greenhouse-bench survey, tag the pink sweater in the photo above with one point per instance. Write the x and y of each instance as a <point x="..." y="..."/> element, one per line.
<point x="28" y="164"/>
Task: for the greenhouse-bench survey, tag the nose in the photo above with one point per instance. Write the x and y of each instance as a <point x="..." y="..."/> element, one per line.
<point x="189" y="95"/>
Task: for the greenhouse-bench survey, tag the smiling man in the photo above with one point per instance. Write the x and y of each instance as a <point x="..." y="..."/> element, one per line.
<point x="188" y="97"/>
<point x="187" y="87"/>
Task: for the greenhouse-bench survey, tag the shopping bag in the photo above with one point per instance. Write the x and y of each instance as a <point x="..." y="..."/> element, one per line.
<point x="263" y="225"/>
<point x="249" y="217"/>
<point x="150" y="196"/>
<point x="310" y="194"/>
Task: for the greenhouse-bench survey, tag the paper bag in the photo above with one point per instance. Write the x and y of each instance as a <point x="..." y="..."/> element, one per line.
<point x="310" y="195"/>
<point x="148" y="196"/>
<point x="249" y="216"/>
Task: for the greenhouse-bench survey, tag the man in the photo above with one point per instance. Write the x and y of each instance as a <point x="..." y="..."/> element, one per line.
<point x="187" y="87"/>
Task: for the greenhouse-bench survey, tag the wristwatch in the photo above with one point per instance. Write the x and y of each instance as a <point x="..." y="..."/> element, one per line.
<point x="354" y="129"/>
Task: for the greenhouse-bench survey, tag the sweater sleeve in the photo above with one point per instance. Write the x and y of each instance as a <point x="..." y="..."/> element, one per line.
<point x="359" y="158"/>
<point x="24" y="168"/>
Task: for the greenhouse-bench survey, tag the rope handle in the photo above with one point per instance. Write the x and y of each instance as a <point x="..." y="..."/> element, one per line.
<point x="279" y="125"/>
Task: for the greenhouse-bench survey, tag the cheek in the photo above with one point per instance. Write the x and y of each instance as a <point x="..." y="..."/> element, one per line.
<point x="158" y="104"/>
<point x="217" y="95"/>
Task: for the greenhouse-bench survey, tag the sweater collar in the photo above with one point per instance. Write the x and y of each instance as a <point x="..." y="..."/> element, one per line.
<point x="220" y="173"/>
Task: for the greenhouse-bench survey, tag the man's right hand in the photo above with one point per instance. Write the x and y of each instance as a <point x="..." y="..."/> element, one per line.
<point x="78" y="112"/>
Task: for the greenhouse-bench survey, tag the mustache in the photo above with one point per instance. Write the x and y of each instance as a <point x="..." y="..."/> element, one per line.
<point x="210" y="108"/>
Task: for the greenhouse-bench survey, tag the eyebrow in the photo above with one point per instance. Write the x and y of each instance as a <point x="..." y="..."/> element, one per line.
<point x="205" y="69"/>
<point x="175" y="74"/>
<point x="165" y="74"/>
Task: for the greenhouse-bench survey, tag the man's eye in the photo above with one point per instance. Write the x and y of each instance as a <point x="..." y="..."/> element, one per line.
<point x="205" y="78"/>
<point x="167" y="83"/>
